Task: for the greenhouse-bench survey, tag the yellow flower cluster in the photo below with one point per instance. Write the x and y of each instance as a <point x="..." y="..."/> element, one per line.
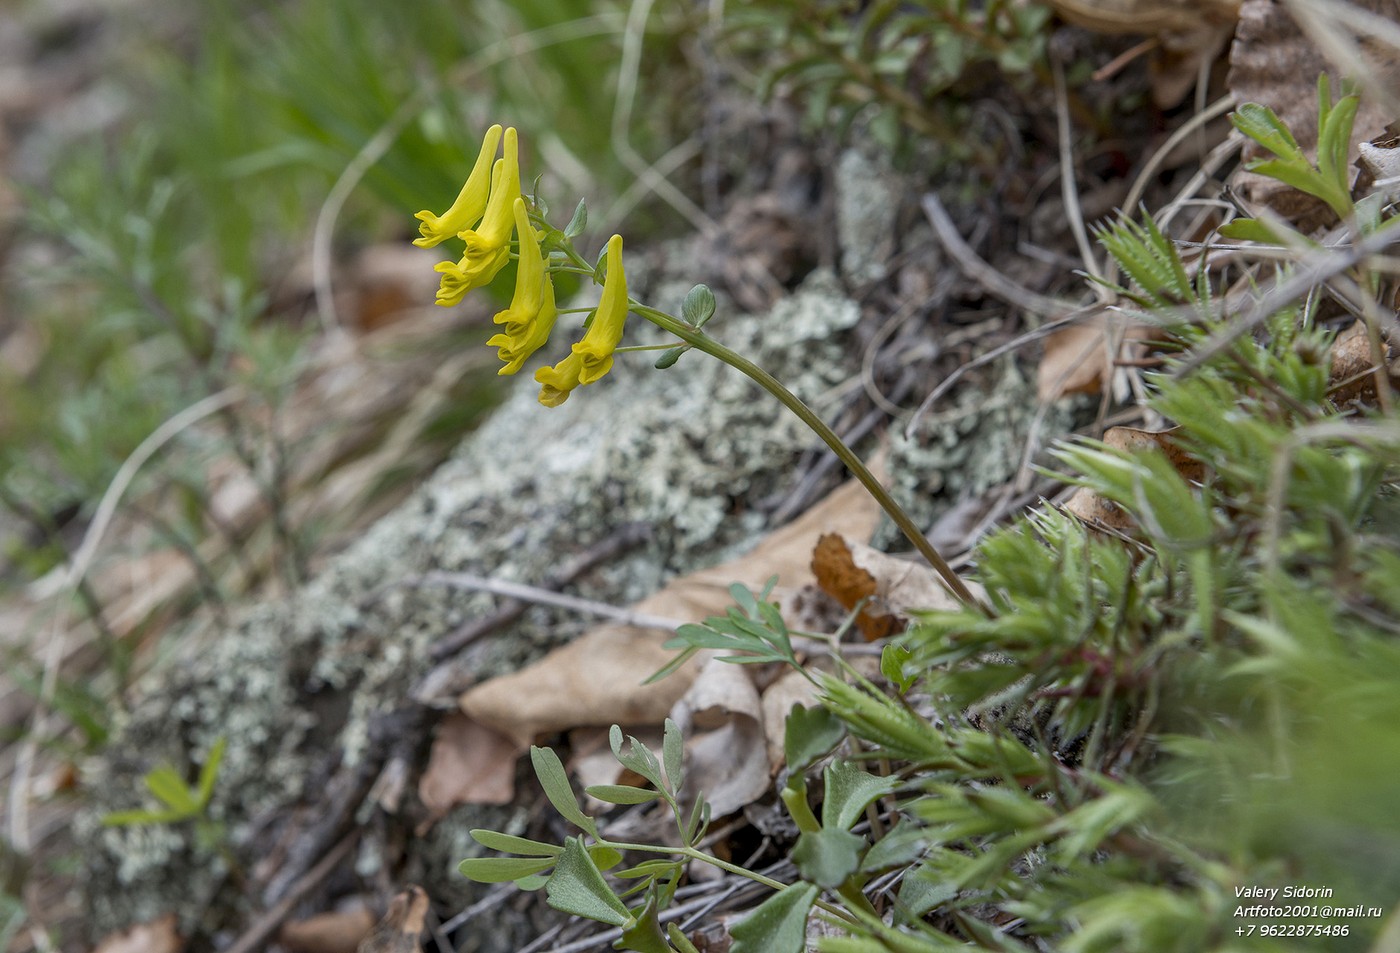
<point x="487" y="211"/>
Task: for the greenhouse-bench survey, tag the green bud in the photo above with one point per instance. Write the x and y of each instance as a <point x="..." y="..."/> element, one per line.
<point x="671" y="356"/>
<point x="699" y="306"/>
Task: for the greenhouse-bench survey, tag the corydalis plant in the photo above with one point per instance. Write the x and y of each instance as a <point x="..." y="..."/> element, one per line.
<point x="491" y="214"/>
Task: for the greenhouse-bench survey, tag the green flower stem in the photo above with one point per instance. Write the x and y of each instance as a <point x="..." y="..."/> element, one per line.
<point x="794" y="797"/>
<point x="703" y="342"/>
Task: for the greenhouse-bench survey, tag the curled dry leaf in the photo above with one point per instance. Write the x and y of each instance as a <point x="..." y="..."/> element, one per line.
<point x="597" y="678"/>
<point x="1354" y="362"/>
<point x="1146" y="16"/>
<point x="469" y="764"/>
<point x="157" y="936"/>
<point x="1080" y="359"/>
<point x="1379" y="162"/>
<point x="1189" y="34"/>
<point x="851" y="572"/>
<point x="1097" y="511"/>
<point x="401" y="927"/>
<point x="341" y="931"/>
<point x="726" y="746"/>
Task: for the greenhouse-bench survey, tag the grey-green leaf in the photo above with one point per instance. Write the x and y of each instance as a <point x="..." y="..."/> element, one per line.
<point x="828" y="856"/>
<point x="550" y="770"/>
<point x="645" y="935"/>
<point x="637" y="758"/>
<point x="848" y="791"/>
<point x="510" y="844"/>
<point x="621" y="794"/>
<point x="496" y="870"/>
<point x="579" y="222"/>
<point x="810" y="733"/>
<point x="577" y="887"/>
<point x="779" y="924"/>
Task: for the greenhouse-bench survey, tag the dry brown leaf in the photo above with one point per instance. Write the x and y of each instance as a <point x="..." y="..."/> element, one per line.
<point x="401" y="927"/>
<point x="1276" y="62"/>
<point x="1092" y="508"/>
<point x="1146" y="16"/>
<point x="1077" y="358"/>
<point x="596" y="679"/>
<point x="721" y="718"/>
<point x="157" y="936"/>
<point x="341" y="931"/>
<point x="779" y="699"/>
<point x="1189" y="33"/>
<point x="469" y="764"/>
<point x="851" y="572"/>
<point x="1379" y="162"/>
<point x="1353" y="361"/>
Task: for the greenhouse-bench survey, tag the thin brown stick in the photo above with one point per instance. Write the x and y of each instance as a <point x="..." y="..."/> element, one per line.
<point x="261" y="931"/>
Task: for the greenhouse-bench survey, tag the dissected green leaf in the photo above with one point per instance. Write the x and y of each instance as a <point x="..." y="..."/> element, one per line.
<point x="848" y="791"/>
<point x="577" y="887"/>
<point x="578" y="222"/>
<point x="679" y="940"/>
<point x="621" y="794"/>
<point x="636" y="757"/>
<point x="555" y="781"/>
<point x="828" y="856"/>
<point x="209" y="772"/>
<point x="495" y="870"/>
<point x="167" y="785"/>
<point x="645" y="934"/>
<point x="894" y="666"/>
<point x="779" y="924"/>
<point x="510" y="844"/>
<point x="125" y="818"/>
<point x="810" y="734"/>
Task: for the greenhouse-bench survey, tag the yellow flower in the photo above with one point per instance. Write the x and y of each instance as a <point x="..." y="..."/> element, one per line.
<point x="531" y="314"/>
<point x="462" y="276"/>
<point x="591" y="357"/>
<point x="470" y="203"/>
<point x="498" y="219"/>
<point x="487" y="244"/>
<point x="557" y="382"/>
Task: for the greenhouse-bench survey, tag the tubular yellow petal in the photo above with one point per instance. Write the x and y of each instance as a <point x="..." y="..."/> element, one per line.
<point x="521" y="339"/>
<point x="499" y="217"/>
<point x="471" y="272"/>
<point x="605" y="333"/>
<point x="529" y="274"/>
<point x="467" y="209"/>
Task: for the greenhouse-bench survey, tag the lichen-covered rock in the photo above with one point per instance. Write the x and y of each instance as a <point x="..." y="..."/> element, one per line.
<point x="972" y="441"/>
<point x="680" y="450"/>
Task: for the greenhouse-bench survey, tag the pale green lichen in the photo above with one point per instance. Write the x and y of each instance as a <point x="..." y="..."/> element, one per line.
<point x="972" y="441"/>
<point x="868" y="194"/>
